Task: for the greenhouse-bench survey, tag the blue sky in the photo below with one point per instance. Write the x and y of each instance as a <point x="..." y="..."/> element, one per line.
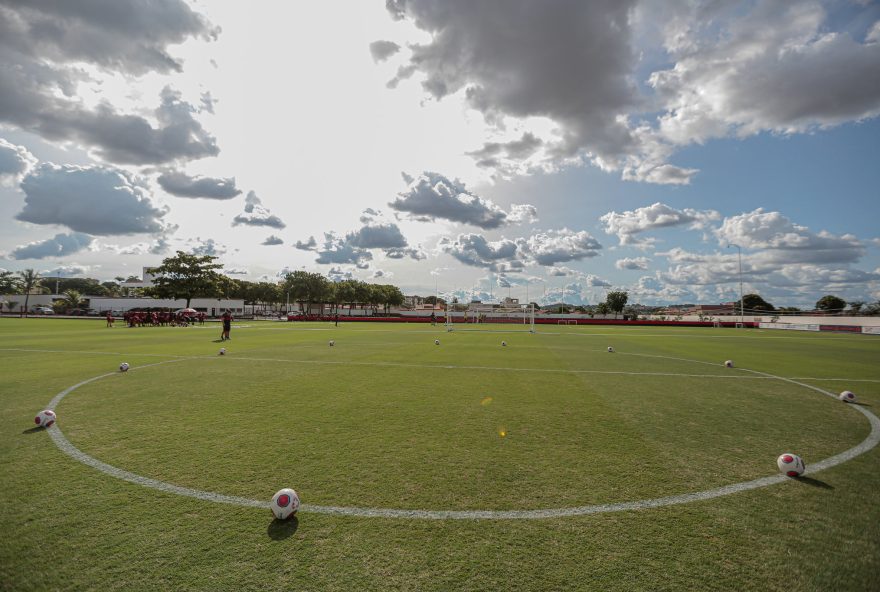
<point x="451" y="145"/>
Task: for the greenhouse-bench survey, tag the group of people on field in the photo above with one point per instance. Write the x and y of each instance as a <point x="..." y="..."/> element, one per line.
<point x="158" y="319"/>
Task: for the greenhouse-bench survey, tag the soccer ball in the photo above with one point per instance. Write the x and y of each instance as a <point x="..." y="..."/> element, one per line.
<point x="222" y="351"/>
<point x="847" y="397"/>
<point x="503" y="344"/>
<point x="728" y="364"/>
<point x="436" y="342"/>
<point x="332" y="343"/>
<point x="285" y="503"/>
<point x="791" y="464"/>
<point x="45" y="418"/>
<point x="610" y="349"/>
<point x="123" y="367"/>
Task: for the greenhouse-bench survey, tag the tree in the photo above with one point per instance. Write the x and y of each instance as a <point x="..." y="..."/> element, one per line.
<point x="753" y="302"/>
<point x="830" y="303"/>
<point x="30" y="281"/>
<point x="11" y="304"/>
<point x="9" y="284"/>
<point x="616" y="300"/>
<point x="73" y="299"/>
<point x="856" y="307"/>
<point x="602" y="308"/>
<point x="187" y="276"/>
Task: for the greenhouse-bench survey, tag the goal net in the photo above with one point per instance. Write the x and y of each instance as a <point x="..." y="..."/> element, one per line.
<point x="501" y="318"/>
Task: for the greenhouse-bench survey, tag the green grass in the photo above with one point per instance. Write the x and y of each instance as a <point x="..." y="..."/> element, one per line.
<point x="387" y="419"/>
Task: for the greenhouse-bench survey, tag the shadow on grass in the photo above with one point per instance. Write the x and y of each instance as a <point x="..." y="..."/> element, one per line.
<point x="281" y="529"/>
<point x="33" y="430"/>
<point x="861" y="404"/>
<point x="814" y="482"/>
<point x="217" y="341"/>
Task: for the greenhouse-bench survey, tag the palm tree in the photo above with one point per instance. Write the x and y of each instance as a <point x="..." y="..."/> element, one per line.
<point x="73" y="299"/>
<point x="30" y="280"/>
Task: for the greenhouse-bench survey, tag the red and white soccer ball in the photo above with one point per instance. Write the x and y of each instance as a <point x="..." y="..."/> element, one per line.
<point x="791" y="464"/>
<point x="728" y="364"/>
<point x="45" y="418"/>
<point x="222" y="351"/>
<point x="847" y="397"/>
<point x="123" y="367"/>
<point x="285" y="503"/>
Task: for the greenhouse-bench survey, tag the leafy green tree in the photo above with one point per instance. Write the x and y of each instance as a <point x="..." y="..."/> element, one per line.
<point x="72" y="299"/>
<point x="81" y="285"/>
<point x="831" y="303"/>
<point x="602" y="308"/>
<point x="187" y="276"/>
<point x="31" y="282"/>
<point x="856" y="307"/>
<point x="616" y="300"/>
<point x="111" y="289"/>
<point x="754" y="302"/>
<point x="9" y="284"/>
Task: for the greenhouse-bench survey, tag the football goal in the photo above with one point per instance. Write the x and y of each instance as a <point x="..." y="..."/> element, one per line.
<point x="500" y="318"/>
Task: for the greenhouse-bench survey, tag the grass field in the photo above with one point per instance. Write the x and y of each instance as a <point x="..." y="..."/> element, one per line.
<point x="387" y="419"/>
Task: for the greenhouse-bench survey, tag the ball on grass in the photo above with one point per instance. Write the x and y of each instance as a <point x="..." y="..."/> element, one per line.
<point x="45" y="418"/>
<point x="503" y="344"/>
<point x="791" y="464"/>
<point x="332" y="343"/>
<point x="610" y="349"/>
<point x="847" y="397"/>
<point x="285" y="503"/>
<point x="728" y="364"/>
<point x="436" y="342"/>
<point x="123" y="367"/>
<point x="222" y="351"/>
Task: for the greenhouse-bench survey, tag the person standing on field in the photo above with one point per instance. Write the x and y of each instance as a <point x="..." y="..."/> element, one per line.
<point x="227" y="325"/>
<point x="109" y="319"/>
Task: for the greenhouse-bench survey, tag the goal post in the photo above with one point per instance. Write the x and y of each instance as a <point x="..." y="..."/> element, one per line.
<point x="500" y="318"/>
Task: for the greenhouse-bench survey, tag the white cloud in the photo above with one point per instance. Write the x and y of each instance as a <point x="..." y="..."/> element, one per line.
<point x="775" y="66"/>
<point x="382" y="50"/>
<point x="15" y="163"/>
<point x="475" y="250"/>
<point x="236" y="271"/>
<point x="197" y="246"/>
<point x="46" y="46"/>
<point x="632" y="263"/>
<point x="58" y="246"/>
<point x="629" y="224"/>
<point x="559" y="246"/>
<point x="255" y="214"/>
<point x="432" y="196"/>
<point x="273" y="240"/>
<point x="783" y="241"/>
<point x="182" y="185"/>
<point x="91" y="199"/>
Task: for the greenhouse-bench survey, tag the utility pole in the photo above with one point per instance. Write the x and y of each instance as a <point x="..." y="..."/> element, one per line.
<point x="741" y="303"/>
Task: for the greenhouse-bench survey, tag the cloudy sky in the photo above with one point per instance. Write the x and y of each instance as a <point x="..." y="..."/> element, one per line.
<point x="554" y="148"/>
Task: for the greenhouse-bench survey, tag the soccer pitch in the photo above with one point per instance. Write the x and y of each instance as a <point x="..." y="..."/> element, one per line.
<point x="549" y="464"/>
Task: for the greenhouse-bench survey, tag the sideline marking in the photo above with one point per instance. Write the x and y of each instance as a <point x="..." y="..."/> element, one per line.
<point x="65" y="446"/>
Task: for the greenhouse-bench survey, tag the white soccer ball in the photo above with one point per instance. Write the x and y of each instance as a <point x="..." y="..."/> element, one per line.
<point x="503" y="344"/>
<point x="728" y="364"/>
<point x="45" y="418"/>
<point x="285" y="503"/>
<point x="847" y="397"/>
<point x="610" y="349"/>
<point x="222" y="351"/>
<point x="332" y="343"/>
<point x="791" y="464"/>
<point x="123" y="367"/>
<point x="436" y="342"/>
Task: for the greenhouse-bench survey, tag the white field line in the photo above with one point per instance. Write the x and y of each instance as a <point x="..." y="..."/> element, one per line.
<point x="65" y="446"/>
